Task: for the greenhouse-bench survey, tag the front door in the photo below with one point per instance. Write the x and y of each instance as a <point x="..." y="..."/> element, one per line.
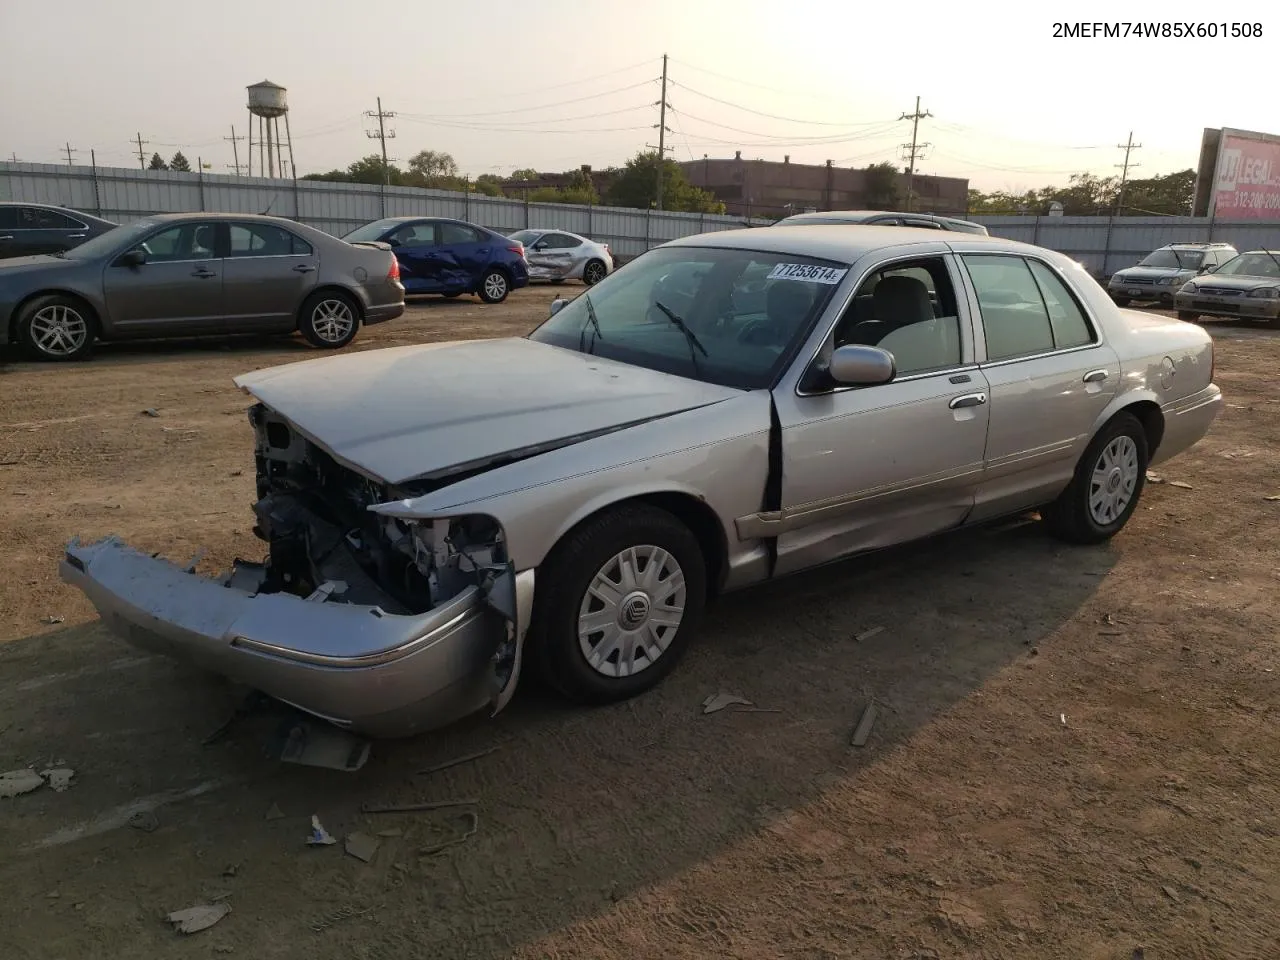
<point x="553" y="255"/>
<point x="1050" y="377"/>
<point x="415" y="247"/>
<point x="177" y="291"/>
<point x="867" y="467"/>
<point x="267" y="274"/>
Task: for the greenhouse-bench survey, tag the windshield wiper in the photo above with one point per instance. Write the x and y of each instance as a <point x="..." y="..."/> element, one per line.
<point x="689" y="335"/>
<point x="1272" y="256"/>
<point x="595" y="326"/>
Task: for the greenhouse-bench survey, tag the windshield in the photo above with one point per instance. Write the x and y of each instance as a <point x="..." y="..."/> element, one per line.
<point x="732" y="317"/>
<point x="525" y="237"/>
<point x="105" y="243"/>
<point x="1174" y="259"/>
<point x="1251" y="265"/>
<point x="370" y="231"/>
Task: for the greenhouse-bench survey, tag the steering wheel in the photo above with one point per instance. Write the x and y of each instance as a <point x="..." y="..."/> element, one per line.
<point x="758" y="331"/>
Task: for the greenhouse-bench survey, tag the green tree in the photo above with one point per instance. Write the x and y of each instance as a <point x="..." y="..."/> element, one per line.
<point x="489" y="184"/>
<point x="435" y="169"/>
<point x="1170" y="194"/>
<point x="637" y="186"/>
<point x="882" y="191"/>
<point x="526" y="173"/>
<point x="157" y="163"/>
<point x="179" y="163"/>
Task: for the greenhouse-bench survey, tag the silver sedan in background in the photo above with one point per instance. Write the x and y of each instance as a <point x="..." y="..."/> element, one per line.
<point x="558" y="255"/>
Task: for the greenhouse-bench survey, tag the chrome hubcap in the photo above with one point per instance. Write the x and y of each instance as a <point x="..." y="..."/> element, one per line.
<point x="1115" y="477"/>
<point x="495" y="285"/>
<point x="631" y="611"/>
<point x="59" y="331"/>
<point x="332" y="320"/>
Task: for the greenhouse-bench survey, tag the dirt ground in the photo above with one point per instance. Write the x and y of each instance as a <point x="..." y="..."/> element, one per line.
<point x="1075" y="756"/>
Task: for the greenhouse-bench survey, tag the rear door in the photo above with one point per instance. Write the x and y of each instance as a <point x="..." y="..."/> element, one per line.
<point x="1050" y="376"/>
<point x="177" y="291"/>
<point x="267" y="274"/>
<point x="464" y="253"/>
<point x="415" y="247"/>
<point x="38" y="230"/>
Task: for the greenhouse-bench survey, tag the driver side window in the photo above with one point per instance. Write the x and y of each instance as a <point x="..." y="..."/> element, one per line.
<point x="188" y="241"/>
<point x="909" y="309"/>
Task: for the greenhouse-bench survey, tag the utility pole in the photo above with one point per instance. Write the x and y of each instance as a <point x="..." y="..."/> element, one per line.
<point x="382" y="135"/>
<point x="70" y="151"/>
<point x="14" y="157"/>
<point x="142" y="157"/>
<point x="235" y="151"/>
<point x="662" y="132"/>
<point x="915" y="151"/>
<point x="1124" y="170"/>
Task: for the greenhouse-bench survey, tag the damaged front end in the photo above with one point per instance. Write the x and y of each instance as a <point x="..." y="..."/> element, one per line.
<point x="385" y="625"/>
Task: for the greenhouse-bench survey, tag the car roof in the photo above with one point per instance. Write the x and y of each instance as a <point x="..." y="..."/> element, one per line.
<point x="1193" y="243"/>
<point x="854" y="216"/>
<point x="843" y="244"/>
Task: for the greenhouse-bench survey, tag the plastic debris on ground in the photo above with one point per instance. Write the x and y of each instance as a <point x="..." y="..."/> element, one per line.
<point x="862" y="732"/>
<point x="17" y="782"/>
<point x="195" y="919"/>
<point x="50" y="621"/>
<point x="319" y="835"/>
<point x="58" y="778"/>
<point x="362" y="846"/>
<point x="1181" y="484"/>
<point x="718" y="701"/>
<point x="1154" y="477"/>
<point x="868" y="634"/>
<point x="321" y="745"/>
<point x="151" y="412"/>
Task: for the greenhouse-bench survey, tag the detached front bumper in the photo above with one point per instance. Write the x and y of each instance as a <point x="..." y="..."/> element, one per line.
<point x="356" y="666"/>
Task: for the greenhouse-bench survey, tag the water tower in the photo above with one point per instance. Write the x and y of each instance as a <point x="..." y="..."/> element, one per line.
<point x="269" y="102"/>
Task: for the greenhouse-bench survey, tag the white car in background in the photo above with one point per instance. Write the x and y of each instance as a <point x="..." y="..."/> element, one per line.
<point x="558" y="255"/>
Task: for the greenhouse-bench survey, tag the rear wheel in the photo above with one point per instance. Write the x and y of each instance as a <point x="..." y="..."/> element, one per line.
<point x="494" y="287"/>
<point x="329" y="319"/>
<point x="1188" y="315"/>
<point x="1106" y="486"/>
<point x="617" y="604"/>
<point x="1121" y="301"/>
<point x="593" y="272"/>
<point x="57" y="328"/>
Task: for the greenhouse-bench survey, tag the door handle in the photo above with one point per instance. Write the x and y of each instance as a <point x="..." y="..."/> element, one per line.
<point x="76" y="236"/>
<point x="6" y="238"/>
<point x="1095" y="376"/>
<point x="968" y="400"/>
<point x="303" y="268"/>
<point x="203" y="274"/>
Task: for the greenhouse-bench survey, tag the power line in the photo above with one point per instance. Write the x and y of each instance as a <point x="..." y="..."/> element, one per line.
<point x="773" y="116"/>
<point x="915" y="151"/>
<point x="545" y="106"/>
<point x="887" y="127"/>
<point x="577" y="82"/>
<point x="423" y="118"/>
<point x="808" y="95"/>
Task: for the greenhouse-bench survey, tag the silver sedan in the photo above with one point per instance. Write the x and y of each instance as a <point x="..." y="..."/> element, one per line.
<point x="558" y="255"/>
<point x="731" y="408"/>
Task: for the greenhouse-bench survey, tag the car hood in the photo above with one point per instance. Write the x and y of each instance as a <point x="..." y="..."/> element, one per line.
<point x="1236" y="282"/>
<point x="20" y="266"/>
<point x="1153" y="273"/>
<point x="429" y="411"/>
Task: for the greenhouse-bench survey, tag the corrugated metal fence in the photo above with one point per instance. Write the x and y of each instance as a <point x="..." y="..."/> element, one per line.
<point x="124" y="195"/>
<point x="1103" y="244"/>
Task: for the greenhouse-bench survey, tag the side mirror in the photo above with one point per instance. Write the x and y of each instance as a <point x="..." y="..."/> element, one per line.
<point x="855" y="365"/>
<point x="539" y="246"/>
<point x="558" y="304"/>
<point x="1210" y="268"/>
<point x="133" y="258"/>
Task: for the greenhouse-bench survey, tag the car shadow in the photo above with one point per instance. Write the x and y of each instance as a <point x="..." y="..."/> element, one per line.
<point x="575" y="807"/>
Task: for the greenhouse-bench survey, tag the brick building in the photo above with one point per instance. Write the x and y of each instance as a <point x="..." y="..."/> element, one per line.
<point x="769" y="188"/>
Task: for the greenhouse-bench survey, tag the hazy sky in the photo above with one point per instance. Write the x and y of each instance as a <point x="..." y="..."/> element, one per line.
<point x="551" y="84"/>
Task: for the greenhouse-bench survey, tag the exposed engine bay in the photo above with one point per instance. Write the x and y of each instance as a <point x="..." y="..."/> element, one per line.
<point x="325" y="545"/>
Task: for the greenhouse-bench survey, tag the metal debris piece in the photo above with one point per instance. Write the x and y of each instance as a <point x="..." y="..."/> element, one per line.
<point x="719" y="701"/>
<point x="58" y="778"/>
<point x="52" y="620"/>
<point x="319" y="835"/>
<point x="1063" y="717"/>
<point x="868" y="634"/>
<point x="195" y="919"/>
<point x="17" y="782"/>
<point x="151" y="412"/>
<point x="473" y="824"/>
<point x="362" y="846"/>
<point x="862" y="732"/>
<point x="457" y="761"/>
<point x="322" y="745"/>
<point x="146" y="821"/>
<point x="1181" y="484"/>
<point x="274" y="812"/>
<point x="416" y="807"/>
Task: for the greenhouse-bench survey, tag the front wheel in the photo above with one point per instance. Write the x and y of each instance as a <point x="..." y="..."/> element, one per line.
<point x="1189" y="316"/>
<point x="56" y="328"/>
<point x="1106" y="486"/>
<point x="1121" y="301"/>
<point x="494" y="287"/>
<point x="594" y="272"/>
<point x="617" y="604"/>
<point x="329" y="320"/>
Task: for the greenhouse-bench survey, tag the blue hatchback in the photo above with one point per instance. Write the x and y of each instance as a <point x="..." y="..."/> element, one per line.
<point x="450" y="257"/>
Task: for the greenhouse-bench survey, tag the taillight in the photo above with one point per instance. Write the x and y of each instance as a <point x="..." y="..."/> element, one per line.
<point x="394" y="272"/>
<point x="518" y="249"/>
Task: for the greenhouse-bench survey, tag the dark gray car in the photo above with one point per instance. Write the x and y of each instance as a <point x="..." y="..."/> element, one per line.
<point x="30" y="228"/>
<point x="884" y="218"/>
<point x="196" y="274"/>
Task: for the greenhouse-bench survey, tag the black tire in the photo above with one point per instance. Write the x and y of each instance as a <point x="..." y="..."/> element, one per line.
<point x="594" y="272"/>
<point x="494" y="287"/>
<point x="562" y="589"/>
<point x="1121" y="301"/>
<point x="1188" y="315"/>
<point x="329" y="319"/>
<point x="1071" y="517"/>
<point x="57" y="328"/>
<point x="450" y="296"/>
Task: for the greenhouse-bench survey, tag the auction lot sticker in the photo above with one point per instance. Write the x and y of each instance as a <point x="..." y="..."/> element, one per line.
<point x="806" y="271"/>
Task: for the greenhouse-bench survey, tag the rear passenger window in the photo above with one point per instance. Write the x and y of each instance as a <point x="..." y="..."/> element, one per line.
<point x="1013" y="312"/>
<point x="1070" y="328"/>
